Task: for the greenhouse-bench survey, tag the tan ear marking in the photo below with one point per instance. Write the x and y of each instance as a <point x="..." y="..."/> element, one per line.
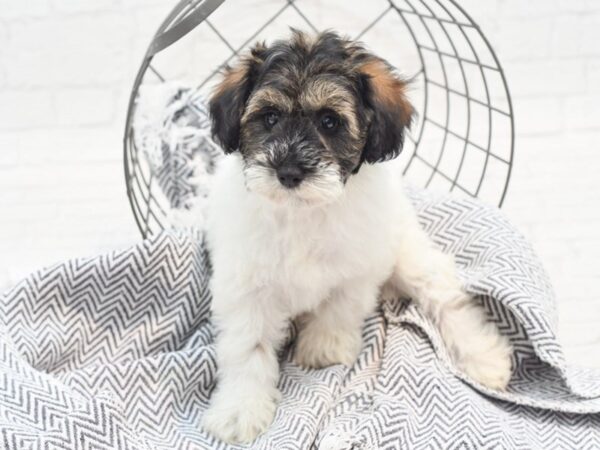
<point x="388" y="88"/>
<point x="233" y="77"/>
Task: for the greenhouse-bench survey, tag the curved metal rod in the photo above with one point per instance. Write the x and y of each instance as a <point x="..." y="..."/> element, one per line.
<point x="508" y="99"/>
<point x="447" y="89"/>
<point x="183" y="27"/>
<point x="417" y="140"/>
<point x="244" y="44"/>
<point x="445" y="75"/>
<point x="188" y="14"/>
<point x="466" y="85"/>
<point x="180" y="10"/>
<point x="488" y="103"/>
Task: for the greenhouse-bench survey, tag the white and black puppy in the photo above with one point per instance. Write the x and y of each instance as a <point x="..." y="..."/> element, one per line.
<point x="307" y="221"/>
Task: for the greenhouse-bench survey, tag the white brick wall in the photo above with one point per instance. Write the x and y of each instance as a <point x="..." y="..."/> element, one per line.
<point x="554" y="195"/>
<point x="66" y="68"/>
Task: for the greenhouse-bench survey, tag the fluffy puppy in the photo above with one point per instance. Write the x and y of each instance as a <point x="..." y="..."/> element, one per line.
<point x="307" y="221"/>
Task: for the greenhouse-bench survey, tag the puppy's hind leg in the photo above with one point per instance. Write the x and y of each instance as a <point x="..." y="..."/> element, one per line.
<point x="429" y="277"/>
<point x="332" y="334"/>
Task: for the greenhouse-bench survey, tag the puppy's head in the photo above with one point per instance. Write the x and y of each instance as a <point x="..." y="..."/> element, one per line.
<point x="306" y="113"/>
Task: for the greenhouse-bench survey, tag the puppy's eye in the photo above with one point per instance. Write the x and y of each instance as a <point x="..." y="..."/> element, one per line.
<point x="271" y="118"/>
<point x="329" y="122"/>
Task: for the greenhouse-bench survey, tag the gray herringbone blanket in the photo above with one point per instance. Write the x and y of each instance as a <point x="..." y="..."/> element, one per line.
<point x="115" y="352"/>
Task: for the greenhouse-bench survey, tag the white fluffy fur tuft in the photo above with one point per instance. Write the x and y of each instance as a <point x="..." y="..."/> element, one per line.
<point x="316" y="190"/>
<point x="323" y="259"/>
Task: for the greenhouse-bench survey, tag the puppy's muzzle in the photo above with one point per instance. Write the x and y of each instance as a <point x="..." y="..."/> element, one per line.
<point x="290" y="175"/>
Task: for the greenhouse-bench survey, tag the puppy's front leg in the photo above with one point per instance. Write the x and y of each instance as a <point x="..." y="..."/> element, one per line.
<point x="429" y="277"/>
<point x="332" y="334"/>
<point x="244" y="402"/>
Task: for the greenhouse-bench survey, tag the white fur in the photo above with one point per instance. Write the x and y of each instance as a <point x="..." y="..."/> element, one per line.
<point x="277" y="257"/>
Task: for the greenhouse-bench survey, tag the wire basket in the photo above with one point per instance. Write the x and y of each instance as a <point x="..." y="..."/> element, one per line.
<point x="463" y="139"/>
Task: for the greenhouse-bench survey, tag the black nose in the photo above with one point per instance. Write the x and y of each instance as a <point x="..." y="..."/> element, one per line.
<point x="290" y="176"/>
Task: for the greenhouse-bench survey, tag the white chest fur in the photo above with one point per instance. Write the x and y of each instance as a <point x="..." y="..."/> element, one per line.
<point x="301" y="253"/>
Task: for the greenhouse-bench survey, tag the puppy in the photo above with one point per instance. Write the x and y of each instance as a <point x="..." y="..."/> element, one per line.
<point x="307" y="221"/>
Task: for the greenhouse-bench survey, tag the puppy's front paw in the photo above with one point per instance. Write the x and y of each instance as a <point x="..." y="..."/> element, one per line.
<point x="319" y="347"/>
<point x="240" y="418"/>
<point x="488" y="361"/>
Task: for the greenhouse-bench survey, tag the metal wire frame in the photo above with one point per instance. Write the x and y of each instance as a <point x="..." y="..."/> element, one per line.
<point x="145" y="197"/>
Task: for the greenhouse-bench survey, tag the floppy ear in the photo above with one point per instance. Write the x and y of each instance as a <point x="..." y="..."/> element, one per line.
<point x="229" y="98"/>
<point x="384" y="93"/>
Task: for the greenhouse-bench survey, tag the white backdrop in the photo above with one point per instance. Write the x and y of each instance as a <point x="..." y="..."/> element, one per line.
<point x="67" y="66"/>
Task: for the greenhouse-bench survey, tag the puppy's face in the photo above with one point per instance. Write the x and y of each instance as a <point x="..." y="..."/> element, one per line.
<point x="306" y="113"/>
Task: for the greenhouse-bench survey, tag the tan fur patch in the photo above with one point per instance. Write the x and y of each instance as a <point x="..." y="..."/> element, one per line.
<point x="260" y="348"/>
<point x="319" y="94"/>
<point x="268" y="97"/>
<point x="303" y="40"/>
<point x="389" y="89"/>
<point x="232" y="78"/>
